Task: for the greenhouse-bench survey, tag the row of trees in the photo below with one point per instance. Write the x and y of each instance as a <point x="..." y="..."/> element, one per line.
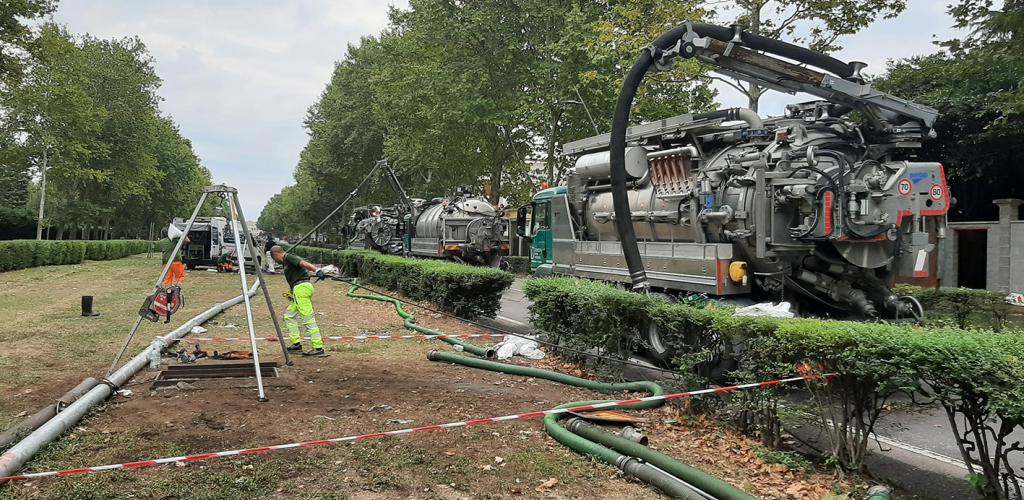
<point x="482" y="93"/>
<point x="81" y="129"/>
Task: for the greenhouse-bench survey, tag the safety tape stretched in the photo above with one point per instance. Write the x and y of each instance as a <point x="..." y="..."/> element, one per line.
<point x="354" y="338"/>
<point x="466" y="423"/>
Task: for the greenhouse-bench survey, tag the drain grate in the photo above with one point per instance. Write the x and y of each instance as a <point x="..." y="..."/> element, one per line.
<point x="191" y="373"/>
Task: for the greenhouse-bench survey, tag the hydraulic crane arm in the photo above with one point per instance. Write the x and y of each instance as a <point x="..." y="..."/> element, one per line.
<point x="755" y="59"/>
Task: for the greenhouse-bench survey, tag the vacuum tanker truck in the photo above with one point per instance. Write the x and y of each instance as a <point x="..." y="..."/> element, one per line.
<point x="824" y="206"/>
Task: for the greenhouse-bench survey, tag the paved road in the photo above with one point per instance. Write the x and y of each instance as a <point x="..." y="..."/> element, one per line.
<point x="915" y="448"/>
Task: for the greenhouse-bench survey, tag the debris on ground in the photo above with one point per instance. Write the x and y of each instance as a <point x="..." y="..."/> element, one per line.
<point x="522" y="346"/>
<point x="766" y="309"/>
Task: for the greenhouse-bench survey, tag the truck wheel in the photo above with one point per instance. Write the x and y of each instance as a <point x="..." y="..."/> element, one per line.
<point x="190" y="265"/>
<point x="658" y="348"/>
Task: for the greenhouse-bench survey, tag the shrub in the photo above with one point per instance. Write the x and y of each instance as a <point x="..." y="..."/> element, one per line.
<point x="21" y="254"/>
<point x="974" y="374"/>
<point x="967" y="307"/>
<point x="459" y="289"/>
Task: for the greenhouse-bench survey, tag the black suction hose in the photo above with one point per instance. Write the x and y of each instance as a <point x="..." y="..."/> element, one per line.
<point x="620" y="121"/>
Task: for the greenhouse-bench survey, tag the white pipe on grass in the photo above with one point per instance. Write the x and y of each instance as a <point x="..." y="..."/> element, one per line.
<point x="21" y="453"/>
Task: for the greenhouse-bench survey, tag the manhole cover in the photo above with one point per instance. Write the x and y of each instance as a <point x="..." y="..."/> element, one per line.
<point x="190" y="373"/>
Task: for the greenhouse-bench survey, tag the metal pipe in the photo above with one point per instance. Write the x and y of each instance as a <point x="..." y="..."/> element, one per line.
<point x="668" y="484"/>
<point x="699" y="479"/>
<point x="42" y="416"/>
<point x="12" y="460"/>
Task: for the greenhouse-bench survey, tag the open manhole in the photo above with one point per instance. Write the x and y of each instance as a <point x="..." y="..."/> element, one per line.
<point x="191" y="373"/>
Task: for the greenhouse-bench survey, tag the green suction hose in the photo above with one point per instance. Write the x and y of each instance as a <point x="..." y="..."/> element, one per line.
<point x="410" y="322"/>
<point x="607" y="450"/>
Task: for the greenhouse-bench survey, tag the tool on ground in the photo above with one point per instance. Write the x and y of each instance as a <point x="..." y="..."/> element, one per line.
<point x="609" y="416"/>
<point x="241" y="230"/>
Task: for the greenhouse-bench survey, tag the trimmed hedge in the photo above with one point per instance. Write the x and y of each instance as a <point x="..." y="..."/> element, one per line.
<point x="459" y="289"/>
<point x="975" y="374"/>
<point x="21" y="254"/>
<point x="966" y="307"/>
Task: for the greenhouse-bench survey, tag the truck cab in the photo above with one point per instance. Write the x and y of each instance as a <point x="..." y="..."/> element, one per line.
<point x="534" y="221"/>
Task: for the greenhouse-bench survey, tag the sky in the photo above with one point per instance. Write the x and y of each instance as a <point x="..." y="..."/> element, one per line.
<point x="239" y="75"/>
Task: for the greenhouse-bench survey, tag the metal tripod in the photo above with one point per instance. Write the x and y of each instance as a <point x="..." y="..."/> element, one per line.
<point x="237" y="219"/>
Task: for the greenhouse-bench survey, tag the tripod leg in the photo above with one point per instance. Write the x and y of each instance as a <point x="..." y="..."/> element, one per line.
<point x="245" y="295"/>
<point x="263" y="282"/>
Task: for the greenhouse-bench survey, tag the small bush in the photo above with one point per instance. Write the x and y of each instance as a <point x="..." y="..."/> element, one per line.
<point x="455" y="288"/>
<point x="21" y="254"/>
<point x="967" y="307"/>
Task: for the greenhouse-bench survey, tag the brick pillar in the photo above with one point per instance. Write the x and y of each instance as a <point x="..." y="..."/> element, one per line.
<point x="1009" y="210"/>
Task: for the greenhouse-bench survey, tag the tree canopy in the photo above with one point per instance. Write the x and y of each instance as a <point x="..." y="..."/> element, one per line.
<point x="976" y="84"/>
<point x="473" y="93"/>
<point x="87" y="110"/>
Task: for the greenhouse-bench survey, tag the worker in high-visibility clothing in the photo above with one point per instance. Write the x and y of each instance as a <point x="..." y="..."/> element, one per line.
<point x="296" y="272"/>
<point x="176" y="273"/>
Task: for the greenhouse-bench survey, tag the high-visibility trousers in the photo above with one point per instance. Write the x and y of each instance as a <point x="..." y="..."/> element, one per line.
<point x="302" y="307"/>
<point x="175" y="275"/>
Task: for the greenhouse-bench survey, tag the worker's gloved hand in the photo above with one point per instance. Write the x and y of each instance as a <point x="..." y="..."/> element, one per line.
<point x="320" y="274"/>
<point x="287" y="295"/>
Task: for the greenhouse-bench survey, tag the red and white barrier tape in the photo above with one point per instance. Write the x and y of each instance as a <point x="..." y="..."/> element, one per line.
<point x="354" y="338"/>
<point x="466" y="423"/>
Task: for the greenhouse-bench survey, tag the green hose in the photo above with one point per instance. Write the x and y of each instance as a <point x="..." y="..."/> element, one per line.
<point x="410" y="322"/>
<point x="585" y="444"/>
<point x="704" y="482"/>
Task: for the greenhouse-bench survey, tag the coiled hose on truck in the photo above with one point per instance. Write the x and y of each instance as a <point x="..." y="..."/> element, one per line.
<point x="669" y="475"/>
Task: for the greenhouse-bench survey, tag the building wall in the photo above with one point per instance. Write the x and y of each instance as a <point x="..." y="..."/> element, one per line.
<point x="1004" y="252"/>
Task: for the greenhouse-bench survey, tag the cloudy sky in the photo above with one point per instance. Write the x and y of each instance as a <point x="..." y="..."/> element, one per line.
<point x="238" y="75"/>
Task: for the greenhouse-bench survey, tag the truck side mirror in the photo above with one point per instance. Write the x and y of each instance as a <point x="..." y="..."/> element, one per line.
<point x="521" y="221"/>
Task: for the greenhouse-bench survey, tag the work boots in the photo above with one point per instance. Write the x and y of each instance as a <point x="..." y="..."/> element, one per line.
<point x="296" y="347"/>
<point x="319" y="352"/>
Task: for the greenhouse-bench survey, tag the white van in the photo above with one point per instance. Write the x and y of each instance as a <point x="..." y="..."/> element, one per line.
<point x="210" y="238"/>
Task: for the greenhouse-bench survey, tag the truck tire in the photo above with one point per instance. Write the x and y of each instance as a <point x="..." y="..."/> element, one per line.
<point x="656" y="344"/>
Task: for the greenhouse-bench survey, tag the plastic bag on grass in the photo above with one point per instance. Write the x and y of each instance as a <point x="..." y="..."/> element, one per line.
<point x="766" y="309"/>
<point x="521" y="346"/>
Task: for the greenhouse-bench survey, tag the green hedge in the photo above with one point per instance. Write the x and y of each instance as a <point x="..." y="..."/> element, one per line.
<point x="974" y="374"/>
<point x="460" y="289"/>
<point x="964" y="307"/>
<point x="21" y="254"/>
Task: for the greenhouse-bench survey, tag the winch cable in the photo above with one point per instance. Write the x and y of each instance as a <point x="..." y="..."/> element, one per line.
<point x="692" y="478"/>
<point x="630" y="85"/>
<point x="503" y="331"/>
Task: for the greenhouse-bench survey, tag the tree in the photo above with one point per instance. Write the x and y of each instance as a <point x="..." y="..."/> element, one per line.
<point x="981" y="129"/>
<point x="85" y="113"/>
<point x="818" y="24"/>
<point x="52" y="123"/>
<point x="16" y="38"/>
